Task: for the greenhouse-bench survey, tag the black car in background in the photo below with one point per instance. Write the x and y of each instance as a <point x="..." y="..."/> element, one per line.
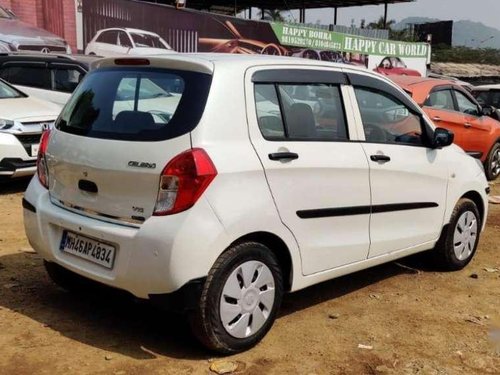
<point x="46" y="76"/>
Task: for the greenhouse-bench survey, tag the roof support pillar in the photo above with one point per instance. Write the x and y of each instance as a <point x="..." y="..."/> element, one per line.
<point x="261" y="13"/>
<point x="335" y="16"/>
<point x="250" y="13"/>
<point x="385" y="15"/>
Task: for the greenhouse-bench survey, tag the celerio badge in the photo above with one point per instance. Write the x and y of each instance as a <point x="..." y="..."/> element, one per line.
<point x="141" y="164"/>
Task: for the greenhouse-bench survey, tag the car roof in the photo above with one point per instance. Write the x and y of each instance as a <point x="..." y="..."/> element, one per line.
<point x="419" y="87"/>
<point x="82" y="60"/>
<point x="207" y="61"/>
<point x="129" y="29"/>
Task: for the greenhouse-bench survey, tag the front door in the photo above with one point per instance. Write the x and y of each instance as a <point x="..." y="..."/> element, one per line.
<point x="318" y="178"/>
<point x="408" y="180"/>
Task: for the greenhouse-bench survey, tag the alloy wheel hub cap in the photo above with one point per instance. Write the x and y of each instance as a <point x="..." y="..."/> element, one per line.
<point x="247" y="299"/>
<point x="465" y="235"/>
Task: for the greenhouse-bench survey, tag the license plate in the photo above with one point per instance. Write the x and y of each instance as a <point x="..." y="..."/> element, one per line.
<point x="88" y="249"/>
<point x="34" y="150"/>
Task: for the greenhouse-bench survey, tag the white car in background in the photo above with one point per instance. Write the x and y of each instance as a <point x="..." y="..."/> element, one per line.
<point x="22" y="120"/>
<point x="126" y="41"/>
<point x="151" y="183"/>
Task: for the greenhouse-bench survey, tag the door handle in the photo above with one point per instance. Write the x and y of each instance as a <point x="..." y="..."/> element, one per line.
<point x="436" y="118"/>
<point x="378" y="157"/>
<point x="283" y="156"/>
<point x="467" y="125"/>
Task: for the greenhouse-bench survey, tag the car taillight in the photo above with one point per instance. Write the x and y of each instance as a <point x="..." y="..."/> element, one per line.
<point x="183" y="181"/>
<point x="41" y="162"/>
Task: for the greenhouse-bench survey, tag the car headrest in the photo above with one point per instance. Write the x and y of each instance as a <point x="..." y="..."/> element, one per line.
<point x="134" y="121"/>
<point x="300" y="121"/>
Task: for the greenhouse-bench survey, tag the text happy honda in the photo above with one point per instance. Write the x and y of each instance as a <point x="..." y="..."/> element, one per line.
<point x="224" y="181"/>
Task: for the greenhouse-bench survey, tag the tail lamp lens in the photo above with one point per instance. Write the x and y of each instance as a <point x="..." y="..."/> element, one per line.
<point x="183" y="181"/>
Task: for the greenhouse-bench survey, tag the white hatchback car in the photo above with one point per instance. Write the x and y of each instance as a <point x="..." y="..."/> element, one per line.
<point x="201" y="180"/>
<point x="22" y="119"/>
<point x="126" y="41"/>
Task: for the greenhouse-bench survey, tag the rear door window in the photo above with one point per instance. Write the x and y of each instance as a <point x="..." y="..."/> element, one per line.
<point x="308" y="112"/>
<point x="441" y="99"/>
<point x="109" y="37"/>
<point x="66" y="79"/>
<point x="136" y="104"/>
<point x="31" y="76"/>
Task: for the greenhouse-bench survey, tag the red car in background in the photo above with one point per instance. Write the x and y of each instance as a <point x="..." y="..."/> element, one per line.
<point x="395" y="66"/>
<point x="452" y="107"/>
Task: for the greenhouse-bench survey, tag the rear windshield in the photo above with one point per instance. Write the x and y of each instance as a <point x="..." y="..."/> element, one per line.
<point x="136" y="104"/>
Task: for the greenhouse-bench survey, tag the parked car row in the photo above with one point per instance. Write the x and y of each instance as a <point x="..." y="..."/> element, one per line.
<point x="473" y="118"/>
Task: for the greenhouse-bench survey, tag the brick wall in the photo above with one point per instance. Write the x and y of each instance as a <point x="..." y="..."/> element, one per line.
<point x="31" y="11"/>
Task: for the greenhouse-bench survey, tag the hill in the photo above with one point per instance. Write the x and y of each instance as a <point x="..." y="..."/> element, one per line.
<point x="465" y="33"/>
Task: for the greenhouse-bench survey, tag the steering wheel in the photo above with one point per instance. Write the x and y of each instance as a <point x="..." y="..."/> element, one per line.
<point x="271" y="49"/>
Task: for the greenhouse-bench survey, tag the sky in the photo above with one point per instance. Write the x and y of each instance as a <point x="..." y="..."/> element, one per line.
<point x="485" y="11"/>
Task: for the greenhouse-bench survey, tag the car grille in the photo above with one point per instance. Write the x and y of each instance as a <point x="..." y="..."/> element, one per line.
<point x="45" y="49"/>
<point x="29" y="139"/>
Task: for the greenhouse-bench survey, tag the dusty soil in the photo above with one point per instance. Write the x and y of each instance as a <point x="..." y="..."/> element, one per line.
<point x="417" y="323"/>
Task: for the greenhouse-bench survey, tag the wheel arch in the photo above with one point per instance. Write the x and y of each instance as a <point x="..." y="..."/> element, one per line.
<point x="278" y="247"/>
<point x="478" y="200"/>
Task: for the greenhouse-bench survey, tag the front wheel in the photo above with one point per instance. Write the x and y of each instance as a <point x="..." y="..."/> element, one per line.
<point x="492" y="165"/>
<point x="458" y="242"/>
<point x="240" y="299"/>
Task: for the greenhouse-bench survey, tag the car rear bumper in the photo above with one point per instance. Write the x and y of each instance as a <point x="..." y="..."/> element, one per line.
<point x="158" y="258"/>
<point x="17" y="167"/>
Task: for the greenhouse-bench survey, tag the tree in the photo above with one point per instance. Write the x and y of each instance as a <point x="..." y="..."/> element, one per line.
<point x="380" y="24"/>
<point x="272" y="15"/>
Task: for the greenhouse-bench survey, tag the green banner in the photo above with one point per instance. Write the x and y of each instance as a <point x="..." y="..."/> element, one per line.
<point x="307" y="37"/>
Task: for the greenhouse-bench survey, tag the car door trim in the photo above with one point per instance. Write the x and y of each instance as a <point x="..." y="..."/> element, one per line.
<point x="363" y="210"/>
<point x="300" y="76"/>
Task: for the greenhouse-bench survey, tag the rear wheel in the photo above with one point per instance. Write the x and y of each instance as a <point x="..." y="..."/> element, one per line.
<point x="492" y="165"/>
<point x="240" y="299"/>
<point x="458" y="242"/>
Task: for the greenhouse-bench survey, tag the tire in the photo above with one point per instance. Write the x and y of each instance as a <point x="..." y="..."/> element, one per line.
<point x="453" y="251"/>
<point x="492" y="164"/>
<point x="67" y="280"/>
<point x="238" y="304"/>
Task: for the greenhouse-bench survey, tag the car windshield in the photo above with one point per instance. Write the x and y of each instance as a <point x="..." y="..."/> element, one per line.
<point x="148" y="41"/>
<point x="397" y="63"/>
<point x="7" y="92"/>
<point x="136" y="104"/>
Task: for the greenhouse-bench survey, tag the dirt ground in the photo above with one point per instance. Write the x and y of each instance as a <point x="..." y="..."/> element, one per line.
<point x="417" y="323"/>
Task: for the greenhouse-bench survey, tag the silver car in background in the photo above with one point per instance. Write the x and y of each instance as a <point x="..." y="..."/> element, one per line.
<point x="16" y="35"/>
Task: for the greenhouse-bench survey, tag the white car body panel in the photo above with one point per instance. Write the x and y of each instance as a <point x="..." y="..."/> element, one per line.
<point x="247" y="196"/>
<point x="56" y="97"/>
<point x="28" y="115"/>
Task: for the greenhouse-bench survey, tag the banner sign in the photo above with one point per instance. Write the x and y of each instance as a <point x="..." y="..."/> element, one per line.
<point x="186" y="30"/>
<point x="306" y="37"/>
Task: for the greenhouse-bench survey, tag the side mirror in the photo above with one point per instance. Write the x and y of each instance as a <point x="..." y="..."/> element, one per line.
<point x="442" y="138"/>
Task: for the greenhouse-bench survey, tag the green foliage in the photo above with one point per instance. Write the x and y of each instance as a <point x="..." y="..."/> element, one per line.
<point x="466" y="55"/>
<point x="272" y="15"/>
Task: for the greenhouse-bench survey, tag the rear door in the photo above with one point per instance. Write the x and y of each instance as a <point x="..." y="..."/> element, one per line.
<point x="117" y="133"/>
<point x="300" y="127"/>
<point x="408" y="180"/>
<point x="440" y="106"/>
